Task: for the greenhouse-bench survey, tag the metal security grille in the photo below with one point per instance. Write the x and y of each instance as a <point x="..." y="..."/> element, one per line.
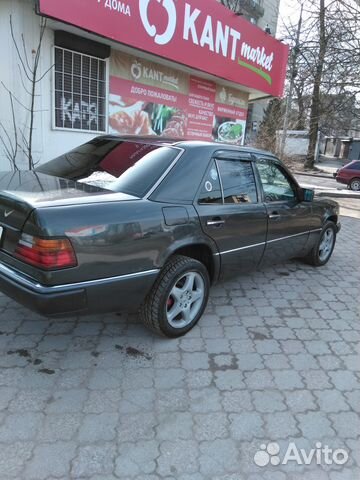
<point x="80" y="91"/>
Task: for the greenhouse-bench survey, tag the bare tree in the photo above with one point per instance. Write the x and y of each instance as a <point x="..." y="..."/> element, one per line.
<point x="10" y="145"/>
<point x="21" y="139"/>
<point x="292" y="75"/>
<point x="271" y="123"/>
<point x="327" y="84"/>
<point x="315" y="101"/>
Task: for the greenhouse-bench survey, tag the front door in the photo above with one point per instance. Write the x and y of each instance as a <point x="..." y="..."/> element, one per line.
<point x="232" y="215"/>
<point x="288" y="217"/>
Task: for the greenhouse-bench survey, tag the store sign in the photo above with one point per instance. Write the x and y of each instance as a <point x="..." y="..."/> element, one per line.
<point x="148" y="73"/>
<point x="202" y="35"/>
<point x="166" y="36"/>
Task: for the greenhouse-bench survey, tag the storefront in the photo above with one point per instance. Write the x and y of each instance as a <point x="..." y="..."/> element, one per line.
<point x="180" y="68"/>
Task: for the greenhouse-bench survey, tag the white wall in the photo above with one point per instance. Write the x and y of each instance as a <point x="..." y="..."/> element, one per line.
<point x="297" y="142"/>
<point x="271" y="13"/>
<point x="48" y="143"/>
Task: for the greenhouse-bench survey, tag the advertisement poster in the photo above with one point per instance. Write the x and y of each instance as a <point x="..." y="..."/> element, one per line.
<point x="149" y="99"/>
<point x="201" y="103"/>
<point x="230" y="116"/>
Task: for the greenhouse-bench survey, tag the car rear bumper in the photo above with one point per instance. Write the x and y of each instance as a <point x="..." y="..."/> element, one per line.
<point x="124" y="292"/>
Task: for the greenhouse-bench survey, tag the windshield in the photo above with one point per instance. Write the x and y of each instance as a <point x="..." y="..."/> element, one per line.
<point x="121" y="166"/>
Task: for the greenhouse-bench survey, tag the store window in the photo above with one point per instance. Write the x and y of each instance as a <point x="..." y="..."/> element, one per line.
<point x="80" y="91"/>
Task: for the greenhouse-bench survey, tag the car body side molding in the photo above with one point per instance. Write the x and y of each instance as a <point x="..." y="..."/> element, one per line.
<point x="270" y="241"/>
<point x="38" y="287"/>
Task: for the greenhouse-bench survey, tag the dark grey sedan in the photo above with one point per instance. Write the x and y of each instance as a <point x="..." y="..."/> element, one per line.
<point x="123" y="223"/>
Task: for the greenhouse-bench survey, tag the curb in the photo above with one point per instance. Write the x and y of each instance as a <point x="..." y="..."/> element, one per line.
<point x="321" y="175"/>
<point x="337" y="194"/>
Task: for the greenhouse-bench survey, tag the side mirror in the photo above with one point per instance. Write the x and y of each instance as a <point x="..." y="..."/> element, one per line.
<point x="306" y="194"/>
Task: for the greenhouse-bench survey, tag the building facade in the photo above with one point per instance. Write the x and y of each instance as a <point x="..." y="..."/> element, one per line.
<point x="264" y="14"/>
<point x="179" y="69"/>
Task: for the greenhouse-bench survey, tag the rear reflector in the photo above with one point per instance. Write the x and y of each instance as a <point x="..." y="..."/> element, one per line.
<point x="48" y="254"/>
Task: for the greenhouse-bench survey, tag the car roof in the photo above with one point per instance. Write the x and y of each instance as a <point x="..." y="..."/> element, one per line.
<point x="187" y="144"/>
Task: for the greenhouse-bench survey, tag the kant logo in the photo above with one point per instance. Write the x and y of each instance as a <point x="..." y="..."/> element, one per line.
<point x="136" y="70"/>
<point x="153" y="75"/>
<point x="164" y="37"/>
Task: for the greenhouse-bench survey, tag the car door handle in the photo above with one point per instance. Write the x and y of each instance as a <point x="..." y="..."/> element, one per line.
<point x="273" y="215"/>
<point x="215" y="222"/>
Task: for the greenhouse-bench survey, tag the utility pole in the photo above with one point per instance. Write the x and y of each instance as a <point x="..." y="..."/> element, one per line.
<point x="315" y="98"/>
<point x="293" y="73"/>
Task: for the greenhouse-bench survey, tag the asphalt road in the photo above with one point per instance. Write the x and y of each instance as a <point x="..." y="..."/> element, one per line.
<point x="320" y="183"/>
<point x="349" y="207"/>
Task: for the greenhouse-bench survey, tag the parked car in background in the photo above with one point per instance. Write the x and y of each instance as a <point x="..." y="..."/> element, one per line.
<point x="122" y="223"/>
<point x="349" y="174"/>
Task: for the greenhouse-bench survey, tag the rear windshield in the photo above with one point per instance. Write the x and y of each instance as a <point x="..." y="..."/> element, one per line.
<point x="121" y="166"/>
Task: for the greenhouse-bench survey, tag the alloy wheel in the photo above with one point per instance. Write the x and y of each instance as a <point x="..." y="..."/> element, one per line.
<point x="355" y="185"/>
<point x="326" y="244"/>
<point x="185" y="300"/>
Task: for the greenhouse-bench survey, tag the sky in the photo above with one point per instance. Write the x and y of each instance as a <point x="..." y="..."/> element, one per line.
<point x="288" y="12"/>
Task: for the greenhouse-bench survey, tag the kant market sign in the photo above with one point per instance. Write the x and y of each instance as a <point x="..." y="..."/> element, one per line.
<point x="200" y="34"/>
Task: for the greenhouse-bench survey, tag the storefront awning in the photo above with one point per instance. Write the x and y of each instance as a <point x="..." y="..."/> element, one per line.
<point x="204" y="36"/>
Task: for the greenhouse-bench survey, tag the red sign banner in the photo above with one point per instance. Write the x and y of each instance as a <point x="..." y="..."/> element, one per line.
<point x="201" y="34"/>
<point x="201" y="109"/>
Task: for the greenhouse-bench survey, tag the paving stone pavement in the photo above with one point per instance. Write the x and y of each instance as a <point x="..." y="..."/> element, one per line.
<point x="275" y="359"/>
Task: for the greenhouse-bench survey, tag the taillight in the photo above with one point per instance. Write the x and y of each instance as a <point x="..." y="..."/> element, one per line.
<point x="48" y="254"/>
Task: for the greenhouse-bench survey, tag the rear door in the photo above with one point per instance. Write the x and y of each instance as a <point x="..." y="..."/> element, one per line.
<point x="231" y="212"/>
<point x="289" y="219"/>
<point x="353" y="174"/>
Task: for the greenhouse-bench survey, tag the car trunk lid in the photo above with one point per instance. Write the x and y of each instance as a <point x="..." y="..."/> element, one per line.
<point x="23" y="191"/>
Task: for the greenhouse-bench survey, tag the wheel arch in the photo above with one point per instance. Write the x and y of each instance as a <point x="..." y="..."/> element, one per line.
<point x="354" y="178"/>
<point x="332" y="218"/>
<point x="202" y="252"/>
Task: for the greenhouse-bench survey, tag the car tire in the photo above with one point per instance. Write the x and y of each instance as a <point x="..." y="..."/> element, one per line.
<point x="182" y="286"/>
<point x="355" y="184"/>
<point x="322" y="251"/>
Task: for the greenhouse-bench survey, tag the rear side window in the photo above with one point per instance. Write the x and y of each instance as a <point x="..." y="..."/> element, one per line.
<point x="354" y="166"/>
<point x="211" y="188"/>
<point x="238" y="181"/>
